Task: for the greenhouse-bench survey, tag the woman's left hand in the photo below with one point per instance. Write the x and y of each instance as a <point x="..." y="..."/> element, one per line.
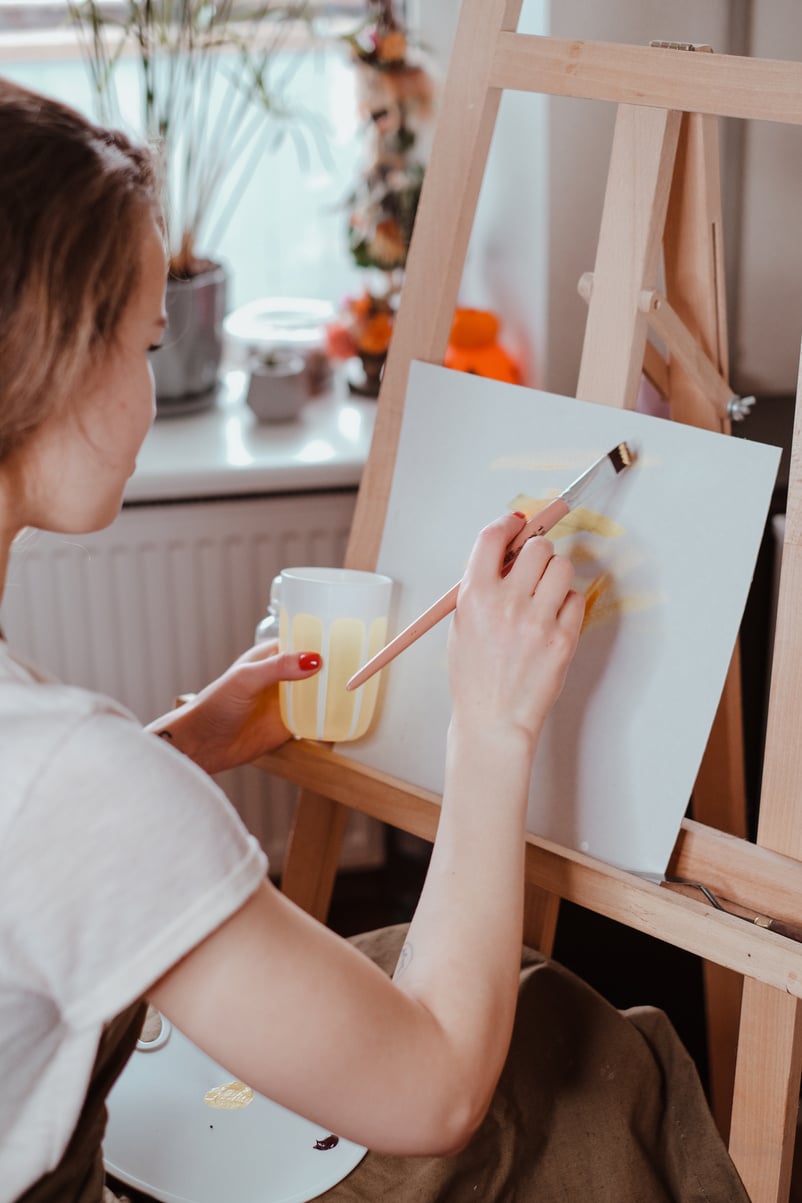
<point x="236" y="718"/>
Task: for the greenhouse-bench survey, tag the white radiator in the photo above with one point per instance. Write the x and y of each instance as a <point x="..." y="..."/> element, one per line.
<point x="163" y="601"/>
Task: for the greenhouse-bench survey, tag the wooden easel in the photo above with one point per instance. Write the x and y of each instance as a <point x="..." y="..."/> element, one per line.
<point x="662" y="199"/>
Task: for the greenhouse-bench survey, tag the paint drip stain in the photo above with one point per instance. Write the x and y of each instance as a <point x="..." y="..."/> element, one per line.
<point x="231" y="1096"/>
<point x="579" y="520"/>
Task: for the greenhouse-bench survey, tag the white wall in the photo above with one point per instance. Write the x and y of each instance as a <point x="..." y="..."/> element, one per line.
<point x="769" y="319"/>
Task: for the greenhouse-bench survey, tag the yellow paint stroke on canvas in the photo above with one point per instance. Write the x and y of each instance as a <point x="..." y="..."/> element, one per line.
<point x="578" y="520"/>
<point x="601" y="602"/>
<point x="568" y="461"/>
<point x="564" y="461"/>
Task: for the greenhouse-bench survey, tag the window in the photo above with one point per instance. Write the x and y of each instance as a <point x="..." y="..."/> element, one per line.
<point x="20" y="15"/>
<point x="288" y="234"/>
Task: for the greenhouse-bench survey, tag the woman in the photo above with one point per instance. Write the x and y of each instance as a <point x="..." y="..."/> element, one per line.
<point x="97" y="915"/>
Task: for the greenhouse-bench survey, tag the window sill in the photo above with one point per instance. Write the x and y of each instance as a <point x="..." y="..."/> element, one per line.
<point x="225" y="452"/>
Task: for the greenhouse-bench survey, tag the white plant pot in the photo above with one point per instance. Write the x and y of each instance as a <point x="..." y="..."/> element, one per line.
<point x="186" y="365"/>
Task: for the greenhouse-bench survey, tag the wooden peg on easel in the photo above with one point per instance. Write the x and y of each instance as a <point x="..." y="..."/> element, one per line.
<point x="668" y="327"/>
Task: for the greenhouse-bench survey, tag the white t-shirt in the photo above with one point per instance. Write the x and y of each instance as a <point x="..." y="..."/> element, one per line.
<point x="117" y="856"/>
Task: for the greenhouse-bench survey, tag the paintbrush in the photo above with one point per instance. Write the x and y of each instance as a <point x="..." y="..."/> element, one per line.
<point x="604" y="468"/>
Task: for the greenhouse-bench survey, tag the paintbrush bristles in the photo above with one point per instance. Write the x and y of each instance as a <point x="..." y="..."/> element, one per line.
<point x="618" y="459"/>
<point x="621" y="457"/>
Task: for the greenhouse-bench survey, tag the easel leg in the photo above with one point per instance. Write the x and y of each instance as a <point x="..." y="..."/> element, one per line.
<point x="723" y="1012"/>
<point x="719" y="800"/>
<point x="766" y="1097"/>
<point x="541" y="911"/>
<point x="313" y="853"/>
<point x="694" y="282"/>
<point x="628" y="254"/>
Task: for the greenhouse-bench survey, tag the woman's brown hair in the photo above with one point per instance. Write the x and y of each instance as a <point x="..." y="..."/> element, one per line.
<point x="73" y="199"/>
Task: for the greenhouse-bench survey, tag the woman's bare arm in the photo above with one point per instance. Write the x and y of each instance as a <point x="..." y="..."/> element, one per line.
<point x="408" y="1065"/>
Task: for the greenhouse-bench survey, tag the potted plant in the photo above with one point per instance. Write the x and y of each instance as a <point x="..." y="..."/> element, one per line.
<point x="213" y="94"/>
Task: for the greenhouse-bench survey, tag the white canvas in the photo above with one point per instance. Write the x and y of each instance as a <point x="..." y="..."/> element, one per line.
<point x="666" y="577"/>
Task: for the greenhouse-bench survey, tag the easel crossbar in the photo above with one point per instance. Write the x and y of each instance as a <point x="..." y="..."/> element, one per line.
<point x="759" y="879"/>
<point x="657" y="77"/>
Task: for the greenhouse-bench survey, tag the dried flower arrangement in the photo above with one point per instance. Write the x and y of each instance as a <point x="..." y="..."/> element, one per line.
<point x="396" y="100"/>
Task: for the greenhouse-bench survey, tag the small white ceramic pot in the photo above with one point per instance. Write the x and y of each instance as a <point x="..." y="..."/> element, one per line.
<point x="277" y="388"/>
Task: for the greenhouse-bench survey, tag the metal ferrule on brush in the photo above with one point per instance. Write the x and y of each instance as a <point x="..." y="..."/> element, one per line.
<point x="607" y="466"/>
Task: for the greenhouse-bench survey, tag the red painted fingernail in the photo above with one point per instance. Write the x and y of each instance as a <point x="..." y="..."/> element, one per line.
<point x="309" y="660"/>
<point x="518" y="514"/>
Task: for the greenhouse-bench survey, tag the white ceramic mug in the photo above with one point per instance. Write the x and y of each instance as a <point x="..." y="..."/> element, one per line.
<point x="342" y="614"/>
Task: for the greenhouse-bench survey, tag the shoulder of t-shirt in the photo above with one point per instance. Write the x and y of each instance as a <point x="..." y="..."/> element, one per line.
<point x="130" y="828"/>
<point x="36" y="717"/>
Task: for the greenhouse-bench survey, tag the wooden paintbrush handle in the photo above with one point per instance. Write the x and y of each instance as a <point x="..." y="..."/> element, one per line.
<point x="542" y="522"/>
<point x="423" y="623"/>
<point x="539" y="524"/>
<point x="792" y="931"/>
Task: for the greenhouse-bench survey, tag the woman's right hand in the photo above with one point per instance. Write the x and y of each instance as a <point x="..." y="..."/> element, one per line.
<point x="513" y="637"/>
